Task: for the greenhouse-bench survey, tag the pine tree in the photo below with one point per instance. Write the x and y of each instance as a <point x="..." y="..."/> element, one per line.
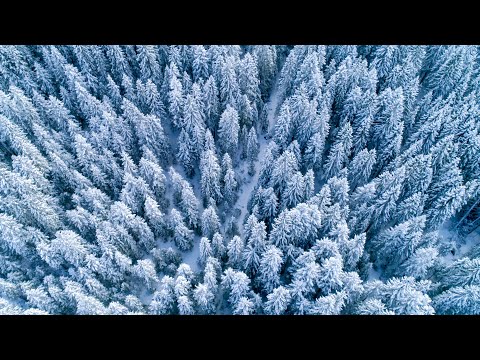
<point x="228" y="130"/>
<point x="387" y="128"/>
<point x="210" y="222"/>
<point x="294" y="192"/>
<point x="182" y="236"/>
<point x="155" y="218"/>
<point x="128" y="88"/>
<point x="284" y="168"/>
<point x="234" y="251"/>
<point x="229" y="187"/>
<point x="361" y="167"/>
<point x="66" y="248"/>
<point x="267" y="163"/>
<point x="218" y="246"/>
<point x="420" y="262"/>
<point x="388" y="189"/>
<point x="458" y="301"/>
<point x="330" y="275"/>
<point x="284" y="126"/>
<point x="153" y="174"/>
<point x="269" y="205"/>
<point x="163" y="299"/>
<point x="175" y="98"/>
<point x="445" y="206"/>
<point x="212" y="104"/>
<point x="184" y="154"/>
<point x="269" y="268"/>
<point x="248" y="78"/>
<point x="153" y="101"/>
<point x="247" y="111"/>
<point x="148" y="129"/>
<point x="339" y="152"/>
<point x="462" y="272"/>
<point x="277" y="301"/>
<point x="210" y="176"/>
<point x="314" y="151"/>
<point x="185" y="198"/>
<point x="397" y="244"/>
<point x="373" y="307"/>
<point x="329" y="305"/>
<point x="298" y="226"/>
<point x="118" y="64"/>
<point x="255" y="246"/>
<point x="148" y="62"/>
<point x="451" y="70"/>
<point x="229" y="89"/>
<point x="310" y="74"/>
<point x="205" y="250"/>
<point x="419" y="175"/>
<point x="244" y="306"/>
<point x="199" y="63"/>
<point x="145" y="270"/>
<point x="267" y="66"/>
<point x="204" y="298"/>
<point x="252" y="149"/>
<point x="193" y="121"/>
<point x="134" y="192"/>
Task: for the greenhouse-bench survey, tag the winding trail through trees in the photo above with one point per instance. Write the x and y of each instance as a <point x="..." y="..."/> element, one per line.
<point x="246" y="189"/>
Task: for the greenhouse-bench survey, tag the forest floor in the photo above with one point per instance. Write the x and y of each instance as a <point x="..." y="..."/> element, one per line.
<point x="459" y="245"/>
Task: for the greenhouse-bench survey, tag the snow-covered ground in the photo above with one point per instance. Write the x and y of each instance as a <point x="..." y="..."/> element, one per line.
<point x="373" y="274"/>
<point x="191" y="257"/>
<point x="462" y="244"/>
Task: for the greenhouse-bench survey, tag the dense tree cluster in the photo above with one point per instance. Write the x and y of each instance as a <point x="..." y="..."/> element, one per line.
<point x="299" y="179"/>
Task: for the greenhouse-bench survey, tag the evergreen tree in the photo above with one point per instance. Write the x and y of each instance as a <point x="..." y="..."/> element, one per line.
<point x="204" y="298"/>
<point x="229" y="89"/>
<point x="118" y="64"/>
<point x="229" y="187"/>
<point x="462" y="272"/>
<point x="244" y="306"/>
<point x="185" y="154"/>
<point x="373" y="307"/>
<point x="361" y="167"/>
<point x="458" y="301"/>
<point x="212" y="104"/>
<point x="248" y="78"/>
<point x="284" y="126"/>
<point x="397" y="244"/>
<point x="252" y="149"/>
<point x="210" y="222"/>
<point x="267" y="66"/>
<point x="234" y="251"/>
<point x="255" y="246"/>
<point x="387" y="128"/>
<point x="182" y="235"/>
<point x="269" y="268"/>
<point x="205" y="250"/>
<point x="148" y="62"/>
<point x="339" y="152"/>
<point x="283" y="169"/>
<point x="228" y="130"/>
<point x="294" y="192"/>
<point x="175" y="98"/>
<point x="210" y="176"/>
<point x="278" y="301"/>
<point x="155" y="218"/>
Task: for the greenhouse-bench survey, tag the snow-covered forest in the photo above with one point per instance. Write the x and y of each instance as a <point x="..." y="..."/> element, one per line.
<point x="239" y="180"/>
